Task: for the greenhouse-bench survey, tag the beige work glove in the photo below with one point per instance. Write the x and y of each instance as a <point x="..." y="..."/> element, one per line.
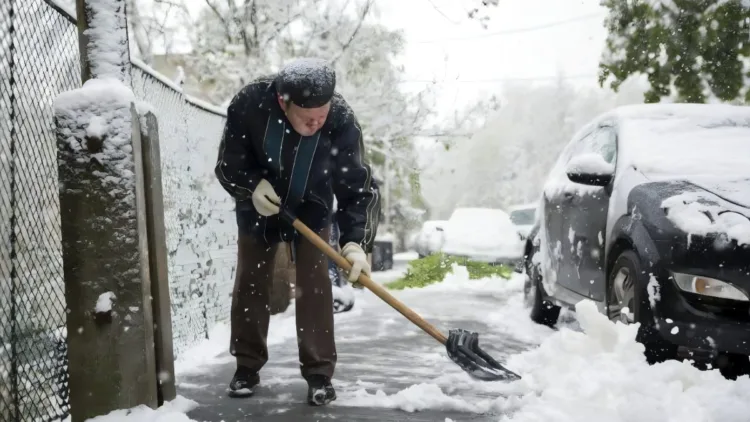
<point x="263" y="192"/>
<point x="357" y="257"/>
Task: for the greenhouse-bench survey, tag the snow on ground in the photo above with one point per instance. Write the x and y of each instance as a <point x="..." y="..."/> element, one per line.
<point x="174" y="411"/>
<point x="589" y="371"/>
<point x="591" y="375"/>
<point x="405" y="256"/>
<point x="213" y="350"/>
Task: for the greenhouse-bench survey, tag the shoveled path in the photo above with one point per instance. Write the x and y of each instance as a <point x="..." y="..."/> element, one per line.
<point x="378" y="350"/>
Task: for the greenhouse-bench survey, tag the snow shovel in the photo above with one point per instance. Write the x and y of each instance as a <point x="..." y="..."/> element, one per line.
<point x="462" y="345"/>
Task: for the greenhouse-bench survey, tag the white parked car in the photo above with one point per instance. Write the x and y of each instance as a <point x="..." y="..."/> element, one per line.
<point x="484" y="235"/>
<point x="430" y="238"/>
<point x="523" y="216"/>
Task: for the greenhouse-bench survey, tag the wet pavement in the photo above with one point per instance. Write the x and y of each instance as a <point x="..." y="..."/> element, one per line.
<point x="388" y="370"/>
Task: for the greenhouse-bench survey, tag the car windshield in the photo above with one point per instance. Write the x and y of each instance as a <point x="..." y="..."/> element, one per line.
<point x="522" y="217"/>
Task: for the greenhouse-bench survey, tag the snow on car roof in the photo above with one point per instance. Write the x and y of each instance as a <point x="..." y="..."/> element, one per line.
<point x="684" y="140"/>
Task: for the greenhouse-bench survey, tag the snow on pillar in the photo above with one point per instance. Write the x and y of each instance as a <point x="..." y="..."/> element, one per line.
<point x="104" y="231"/>
<point x="103" y="40"/>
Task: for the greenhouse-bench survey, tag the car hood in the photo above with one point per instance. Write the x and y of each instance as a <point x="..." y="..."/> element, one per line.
<point x="709" y="207"/>
<point x="736" y="191"/>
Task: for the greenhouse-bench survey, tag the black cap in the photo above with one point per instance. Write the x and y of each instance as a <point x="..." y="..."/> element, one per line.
<point x="307" y="82"/>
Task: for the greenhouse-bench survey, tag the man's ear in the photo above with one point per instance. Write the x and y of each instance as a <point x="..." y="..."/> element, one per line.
<point x="282" y="103"/>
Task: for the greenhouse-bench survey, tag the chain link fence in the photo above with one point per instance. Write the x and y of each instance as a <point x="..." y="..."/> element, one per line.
<point x="38" y="60"/>
<point x="199" y="216"/>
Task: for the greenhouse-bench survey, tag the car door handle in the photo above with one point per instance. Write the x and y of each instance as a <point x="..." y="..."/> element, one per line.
<point x="569" y="196"/>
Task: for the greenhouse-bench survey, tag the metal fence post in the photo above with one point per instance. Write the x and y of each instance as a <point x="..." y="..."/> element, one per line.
<point x="103" y="225"/>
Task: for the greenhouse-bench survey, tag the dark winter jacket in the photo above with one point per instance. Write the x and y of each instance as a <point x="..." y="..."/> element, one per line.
<point x="259" y="142"/>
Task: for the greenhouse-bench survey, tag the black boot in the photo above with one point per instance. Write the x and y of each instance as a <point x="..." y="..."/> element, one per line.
<point x="243" y="383"/>
<point x="319" y="390"/>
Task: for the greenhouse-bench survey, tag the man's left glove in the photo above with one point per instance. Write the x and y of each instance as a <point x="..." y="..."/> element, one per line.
<point x="357" y="257"/>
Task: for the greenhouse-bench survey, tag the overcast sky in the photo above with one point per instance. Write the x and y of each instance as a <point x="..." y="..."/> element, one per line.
<point x="460" y="54"/>
<point x="525" y="39"/>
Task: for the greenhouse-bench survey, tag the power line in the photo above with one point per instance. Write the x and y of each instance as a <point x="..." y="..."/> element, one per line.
<point x="498" y="80"/>
<point x="516" y="30"/>
<point x="437" y="9"/>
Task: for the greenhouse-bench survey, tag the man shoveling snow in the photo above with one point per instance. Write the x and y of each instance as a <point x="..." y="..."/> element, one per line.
<point x="293" y="140"/>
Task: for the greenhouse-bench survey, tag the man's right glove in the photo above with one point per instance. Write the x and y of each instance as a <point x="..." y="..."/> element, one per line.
<point x="357" y="257"/>
<point x="263" y="192"/>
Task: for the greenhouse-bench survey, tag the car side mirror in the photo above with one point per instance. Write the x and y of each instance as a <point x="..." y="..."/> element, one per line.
<point x="590" y="169"/>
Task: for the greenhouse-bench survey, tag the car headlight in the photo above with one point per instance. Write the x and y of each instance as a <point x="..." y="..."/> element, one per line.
<point x="707" y="286"/>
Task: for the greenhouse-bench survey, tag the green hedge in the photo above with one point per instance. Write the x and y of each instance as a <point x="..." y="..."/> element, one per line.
<point x="433" y="269"/>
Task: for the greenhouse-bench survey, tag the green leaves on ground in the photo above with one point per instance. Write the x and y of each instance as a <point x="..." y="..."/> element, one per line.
<point x="434" y="268"/>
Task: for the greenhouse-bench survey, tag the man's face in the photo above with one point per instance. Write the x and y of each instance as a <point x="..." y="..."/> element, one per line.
<point x="306" y="121"/>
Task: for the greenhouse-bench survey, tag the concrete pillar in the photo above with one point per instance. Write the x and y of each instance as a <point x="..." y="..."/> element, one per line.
<point x="111" y="359"/>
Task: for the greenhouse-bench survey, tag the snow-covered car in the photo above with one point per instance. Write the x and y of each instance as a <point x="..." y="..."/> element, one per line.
<point x="483" y="235"/>
<point x="523" y="217"/>
<point x="647" y="213"/>
<point x="430" y="238"/>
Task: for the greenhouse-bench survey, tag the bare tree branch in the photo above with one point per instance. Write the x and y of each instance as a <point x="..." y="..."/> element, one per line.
<point x="142" y="41"/>
<point x="216" y="11"/>
<point x="365" y="12"/>
<point x="253" y="19"/>
<point x="172" y="4"/>
<point x="281" y="28"/>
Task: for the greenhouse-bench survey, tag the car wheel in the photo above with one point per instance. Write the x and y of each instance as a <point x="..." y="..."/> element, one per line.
<point x="628" y="303"/>
<point x="541" y="311"/>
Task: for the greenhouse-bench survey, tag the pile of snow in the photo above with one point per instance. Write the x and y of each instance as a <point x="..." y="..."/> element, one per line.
<point x="601" y="374"/>
<point x="173" y="411"/>
<point x="596" y="374"/>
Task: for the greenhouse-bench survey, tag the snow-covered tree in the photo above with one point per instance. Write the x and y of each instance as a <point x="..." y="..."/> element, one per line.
<point x="507" y="161"/>
<point x="694" y="50"/>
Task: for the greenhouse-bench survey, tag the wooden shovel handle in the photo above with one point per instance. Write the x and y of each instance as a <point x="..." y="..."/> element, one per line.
<point x="367" y="282"/>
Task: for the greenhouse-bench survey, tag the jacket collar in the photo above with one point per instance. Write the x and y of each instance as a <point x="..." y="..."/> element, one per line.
<point x="268" y="99"/>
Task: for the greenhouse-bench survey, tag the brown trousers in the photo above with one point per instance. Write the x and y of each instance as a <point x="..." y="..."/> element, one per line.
<point x="314" y="306"/>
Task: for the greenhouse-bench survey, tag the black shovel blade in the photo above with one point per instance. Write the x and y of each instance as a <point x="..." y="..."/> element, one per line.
<point x="463" y="349"/>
